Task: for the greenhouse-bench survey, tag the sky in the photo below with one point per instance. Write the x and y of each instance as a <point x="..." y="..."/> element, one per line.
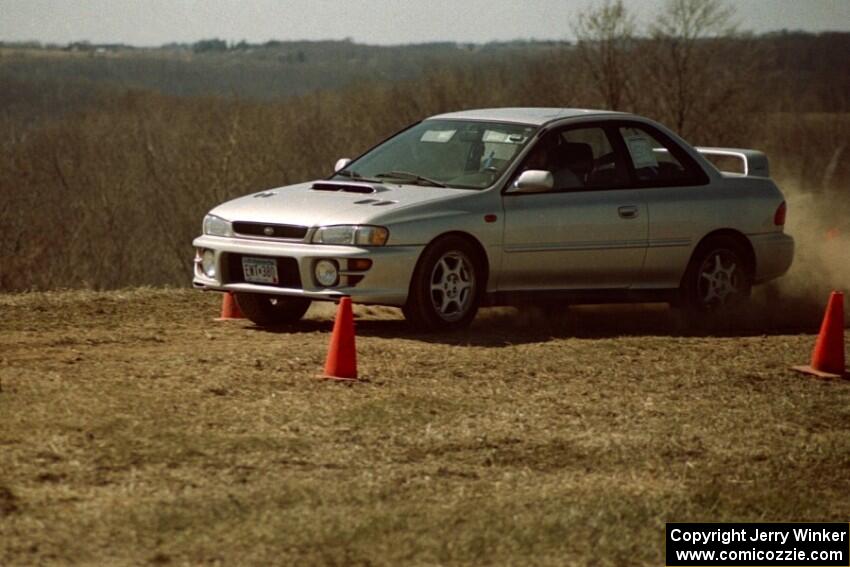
<point x="382" y="22"/>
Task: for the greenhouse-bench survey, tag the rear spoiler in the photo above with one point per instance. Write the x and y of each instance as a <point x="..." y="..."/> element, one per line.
<point x="755" y="162"/>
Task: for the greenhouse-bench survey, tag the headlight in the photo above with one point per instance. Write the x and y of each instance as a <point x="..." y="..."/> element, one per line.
<point x="352" y="234"/>
<point x="216" y="226"/>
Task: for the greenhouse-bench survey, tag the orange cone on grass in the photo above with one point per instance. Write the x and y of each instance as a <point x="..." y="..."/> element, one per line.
<point x="828" y="355"/>
<point x="229" y="308"/>
<point x="341" y="363"/>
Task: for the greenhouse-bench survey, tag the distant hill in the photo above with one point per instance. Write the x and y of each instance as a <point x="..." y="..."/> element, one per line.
<point x="44" y="81"/>
<point x="266" y="71"/>
<point x="49" y="81"/>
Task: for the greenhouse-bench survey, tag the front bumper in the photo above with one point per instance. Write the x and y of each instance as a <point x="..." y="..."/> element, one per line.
<point x="386" y="282"/>
<point x="774" y="253"/>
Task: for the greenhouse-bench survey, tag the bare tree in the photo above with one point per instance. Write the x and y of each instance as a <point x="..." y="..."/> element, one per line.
<point x="605" y="37"/>
<point x="685" y="59"/>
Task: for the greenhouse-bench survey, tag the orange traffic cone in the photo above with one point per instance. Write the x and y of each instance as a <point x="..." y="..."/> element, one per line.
<point x="828" y="356"/>
<point x="341" y="363"/>
<point x="229" y="308"/>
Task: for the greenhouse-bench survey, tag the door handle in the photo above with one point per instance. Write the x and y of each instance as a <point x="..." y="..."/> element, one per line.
<point x="628" y="211"/>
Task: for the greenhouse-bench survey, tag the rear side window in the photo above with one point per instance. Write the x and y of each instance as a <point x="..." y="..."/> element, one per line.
<point x="657" y="162"/>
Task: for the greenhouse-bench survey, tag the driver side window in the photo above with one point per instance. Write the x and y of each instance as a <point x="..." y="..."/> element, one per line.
<point x="580" y="159"/>
<point x="586" y="160"/>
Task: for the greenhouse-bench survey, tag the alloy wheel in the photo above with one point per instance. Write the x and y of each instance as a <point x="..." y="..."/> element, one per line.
<point x="452" y="285"/>
<point x="720" y="279"/>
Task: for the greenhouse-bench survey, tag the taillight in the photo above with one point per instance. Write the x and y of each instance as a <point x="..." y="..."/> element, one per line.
<point x="779" y="215"/>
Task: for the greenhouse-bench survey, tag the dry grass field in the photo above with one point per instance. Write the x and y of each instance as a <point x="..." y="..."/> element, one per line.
<point x="134" y="430"/>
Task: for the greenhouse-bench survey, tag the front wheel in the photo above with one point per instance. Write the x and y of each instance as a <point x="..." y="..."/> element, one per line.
<point x="446" y="287"/>
<point x="268" y="310"/>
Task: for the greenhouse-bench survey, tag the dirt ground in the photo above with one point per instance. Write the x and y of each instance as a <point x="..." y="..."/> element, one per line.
<point x="135" y="430"/>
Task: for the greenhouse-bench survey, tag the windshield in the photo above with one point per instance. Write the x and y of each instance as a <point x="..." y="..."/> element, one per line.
<point x="451" y="153"/>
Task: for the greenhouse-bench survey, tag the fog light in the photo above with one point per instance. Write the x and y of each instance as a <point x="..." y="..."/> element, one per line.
<point x="208" y="263"/>
<point x="327" y="273"/>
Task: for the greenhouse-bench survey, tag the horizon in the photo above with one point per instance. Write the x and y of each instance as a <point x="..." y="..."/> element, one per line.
<point x="158" y="23"/>
<point x="231" y="43"/>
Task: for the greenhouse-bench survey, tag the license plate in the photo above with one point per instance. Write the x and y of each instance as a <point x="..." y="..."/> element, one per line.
<point x="260" y="270"/>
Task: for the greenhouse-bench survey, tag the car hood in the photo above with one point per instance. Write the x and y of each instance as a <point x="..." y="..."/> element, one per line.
<point x="320" y="203"/>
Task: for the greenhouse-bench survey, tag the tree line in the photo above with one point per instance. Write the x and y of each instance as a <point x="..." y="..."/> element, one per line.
<point x="111" y="194"/>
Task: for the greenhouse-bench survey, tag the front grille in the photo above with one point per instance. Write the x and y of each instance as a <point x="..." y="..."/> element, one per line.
<point x="287" y="270"/>
<point x="289" y="231"/>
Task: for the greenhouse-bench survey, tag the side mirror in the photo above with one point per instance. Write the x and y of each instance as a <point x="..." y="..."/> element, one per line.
<point x="341" y="163"/>
<point x="533" y="181"/>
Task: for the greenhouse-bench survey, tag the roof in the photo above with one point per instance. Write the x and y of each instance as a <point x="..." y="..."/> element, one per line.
<point x="535" y="116"/>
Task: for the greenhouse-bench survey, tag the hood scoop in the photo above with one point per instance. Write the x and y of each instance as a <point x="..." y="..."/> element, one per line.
<point x="363" y="188"/>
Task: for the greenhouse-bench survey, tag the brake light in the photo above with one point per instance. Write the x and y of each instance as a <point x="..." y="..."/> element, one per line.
<point x="779" y="215"/>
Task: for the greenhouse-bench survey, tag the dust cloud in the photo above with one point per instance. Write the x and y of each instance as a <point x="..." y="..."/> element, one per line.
<point x="818" y="221"/>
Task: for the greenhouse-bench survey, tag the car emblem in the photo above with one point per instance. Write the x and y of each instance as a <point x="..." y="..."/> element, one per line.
<point x="268" y="231"/>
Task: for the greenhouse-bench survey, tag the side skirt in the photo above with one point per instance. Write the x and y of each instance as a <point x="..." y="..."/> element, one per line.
<point x="578" y="297"/>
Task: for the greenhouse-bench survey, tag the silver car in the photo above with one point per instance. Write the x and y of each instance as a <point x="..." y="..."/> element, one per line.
<point x="490" y="207"/>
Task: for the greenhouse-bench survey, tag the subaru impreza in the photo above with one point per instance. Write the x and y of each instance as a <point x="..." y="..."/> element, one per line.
<point x="495" y="206"/>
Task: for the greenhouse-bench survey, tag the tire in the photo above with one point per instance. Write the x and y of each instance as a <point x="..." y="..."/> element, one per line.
<point x="447" y="286"/>
<point x="269" y="310"/>
<point x="718" y="279"/>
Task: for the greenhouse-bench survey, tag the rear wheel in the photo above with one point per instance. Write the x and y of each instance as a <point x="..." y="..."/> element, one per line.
<point x="446" y="287"/>
<point x="719" y="277"/>
<point x="268" y="310"/>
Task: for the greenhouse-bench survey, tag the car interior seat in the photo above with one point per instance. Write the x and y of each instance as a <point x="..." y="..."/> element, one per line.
<point x="571" y="162"/>
<point x="579" y="159"/>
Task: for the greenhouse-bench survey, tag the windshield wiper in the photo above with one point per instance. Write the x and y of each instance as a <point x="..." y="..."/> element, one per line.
<point x="412" y="177"/>
<point x="354" y="175"/>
